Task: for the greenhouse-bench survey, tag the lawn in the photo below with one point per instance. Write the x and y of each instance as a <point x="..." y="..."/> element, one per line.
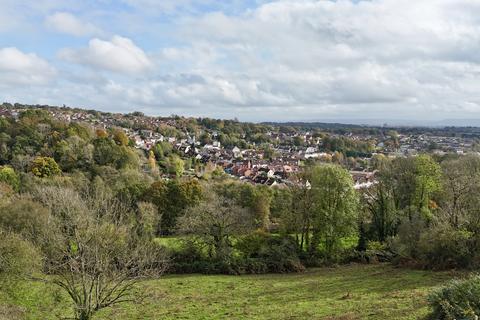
<point x="347" y="292"/>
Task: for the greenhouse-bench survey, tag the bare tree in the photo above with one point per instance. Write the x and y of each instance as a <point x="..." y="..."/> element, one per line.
<point x="94" y="256"/>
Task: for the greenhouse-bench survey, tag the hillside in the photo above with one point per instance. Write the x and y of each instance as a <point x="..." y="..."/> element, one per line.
<point x="346" y="293"/>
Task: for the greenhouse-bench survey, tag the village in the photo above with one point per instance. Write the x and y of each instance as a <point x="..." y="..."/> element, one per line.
<point x="272" y="163"/>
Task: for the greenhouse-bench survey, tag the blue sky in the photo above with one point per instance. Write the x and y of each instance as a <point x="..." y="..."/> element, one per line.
<point x="256" y="60"/>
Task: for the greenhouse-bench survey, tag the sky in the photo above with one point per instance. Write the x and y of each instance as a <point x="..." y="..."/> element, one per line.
<point x="255" y="60"/>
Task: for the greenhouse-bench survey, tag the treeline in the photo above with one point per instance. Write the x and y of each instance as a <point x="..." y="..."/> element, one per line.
<point x="229" y="133"/>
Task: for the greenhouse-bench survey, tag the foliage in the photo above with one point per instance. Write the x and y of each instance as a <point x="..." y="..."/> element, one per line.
<point x="172" y="198"/>
<point x="120" y="137"/>
<point x="458" y="299"/>
<point x="10" y="177"/>
<point x="444" y="247"/>
<point x="215" y="220"/>
<point x="266" y="253"/>
<point x="18" y="257"/>
<point x="26" y="218"/>
<point x="45" y="167"/>
<point x="174" y="165"/>
<point x="334" y="204"/>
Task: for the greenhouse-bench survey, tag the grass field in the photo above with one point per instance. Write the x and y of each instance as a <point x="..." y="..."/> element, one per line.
<point x="347" y="292"/>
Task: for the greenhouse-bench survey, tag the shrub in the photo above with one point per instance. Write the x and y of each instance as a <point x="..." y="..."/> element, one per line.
<point x="26" y="218"/>
<point x="258" y="253"/>
<point x="263" y="252"/>
<point x="10" y="177"/>
<point x="405" y="244"/>
<point x="459" y="299"/>
<point x="445" y="247"/>
<point x="18" y="257"/>
<point x="188" y="259"/>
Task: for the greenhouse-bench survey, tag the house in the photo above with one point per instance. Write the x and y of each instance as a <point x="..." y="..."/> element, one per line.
<point x="236" y="152"/>
<point x="310" y="150"/>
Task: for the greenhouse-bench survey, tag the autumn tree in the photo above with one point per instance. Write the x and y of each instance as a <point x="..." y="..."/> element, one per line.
<point x="45" y="167"/>
<point x="120" y="137"/>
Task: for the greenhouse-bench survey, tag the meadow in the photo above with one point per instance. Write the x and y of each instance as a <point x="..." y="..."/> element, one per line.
<point x="346" y="292"/>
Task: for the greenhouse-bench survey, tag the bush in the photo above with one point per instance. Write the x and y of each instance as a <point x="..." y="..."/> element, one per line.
<point x="266" y="253"/>
<point x="10" y="177"/>
<point x="258" y="253"/>
<point x="405" y="244"/>
<point x="370" y="256"/>
<point x="18" y="257"/>
<point x="459" y="299"/>
<point x="26" y="218"/>
<point x="445" y="248"/>
<point x="188" y="259"/>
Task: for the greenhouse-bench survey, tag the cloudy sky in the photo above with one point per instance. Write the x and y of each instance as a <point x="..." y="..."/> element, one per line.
<point x="256" y="60"/>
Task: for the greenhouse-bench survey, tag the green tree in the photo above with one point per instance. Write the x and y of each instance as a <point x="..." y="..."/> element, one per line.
<point x="427" y="183"/>
<point x="334" y="205"/>
<point x="215" y="220"/>
<point x="383" y="216"/>
<point x="45" y="167"/>
<point x="171" y="199"/>
<point x="174" y="165"/>
<point x="10" y="177"/>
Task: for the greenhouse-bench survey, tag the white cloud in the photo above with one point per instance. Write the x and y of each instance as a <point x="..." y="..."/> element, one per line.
<point x="65" y="22"/>
<point x="17" y="67"/>
<point x="286" y="59"/>
<point x="118" y="55"/>
<point x="388" y="55"/>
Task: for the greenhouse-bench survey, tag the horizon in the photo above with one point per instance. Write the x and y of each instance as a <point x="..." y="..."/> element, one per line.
<point x="283" y="61"/>
<point x="367" y="122"/>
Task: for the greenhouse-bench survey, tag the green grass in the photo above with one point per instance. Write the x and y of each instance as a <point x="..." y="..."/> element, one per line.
<point x="347" y="292"/>
<point x="169" y="242"/>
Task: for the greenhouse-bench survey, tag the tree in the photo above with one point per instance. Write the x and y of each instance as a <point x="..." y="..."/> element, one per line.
<point x="215" y="220"/>
<point x="96" y="256"/>
<point x="205" y="138"/>
<point x="298" y="141"/>
<point x="45" y="167"/>
<point x="334" y="206"/>
<point x="146" y="220"/>
<point x="120" y="137"/>
<point x="378" y="161"/>
<point x="427" y="182"/>
<point x="415" y="181"/>
<point x="379" y="202"/>
<point x="101" y="133"/>
<point x="106" y="152"/>
<point x="338" y="157"/>
<point x="172" y="198"/>
<point x="152" y="162"/>
<point x="174" y="165"/>
<point x="459" y="200"/>
<point x="73" y="153"/>
<point x="261" y="200"/>
<point x="9" y="177"/>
